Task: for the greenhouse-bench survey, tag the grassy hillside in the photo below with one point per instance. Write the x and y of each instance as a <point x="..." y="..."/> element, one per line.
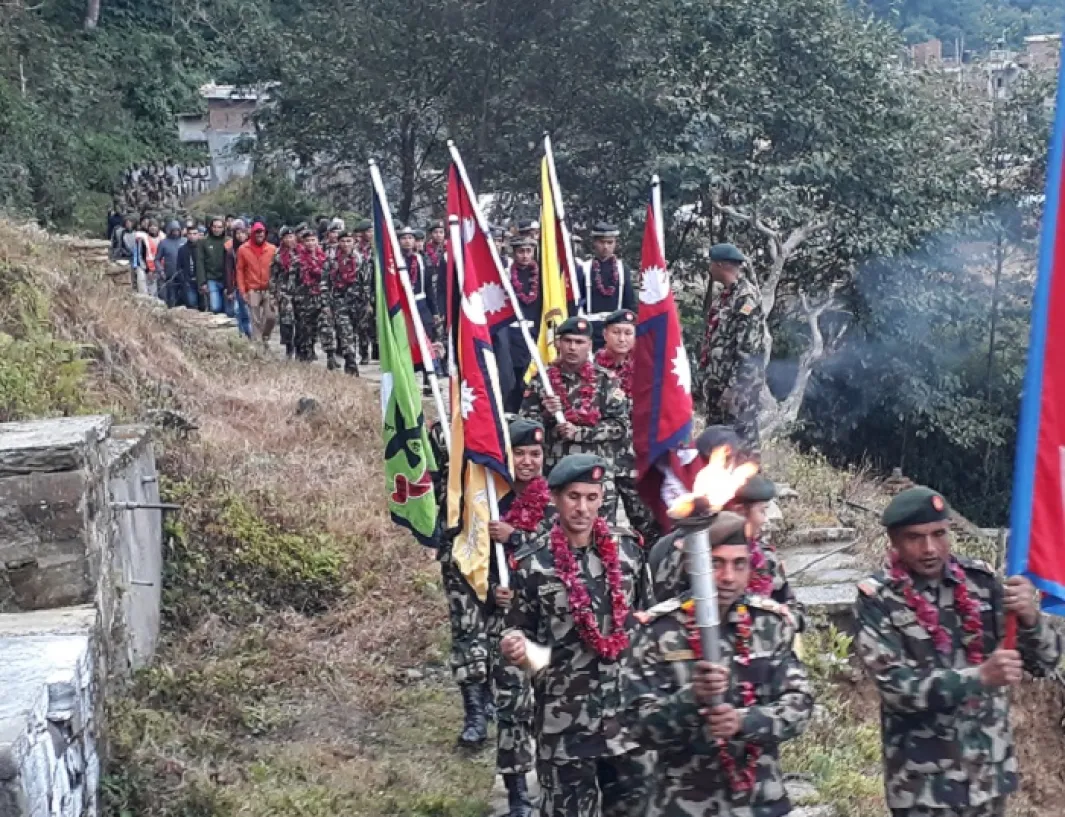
<point x="302" y="671"/>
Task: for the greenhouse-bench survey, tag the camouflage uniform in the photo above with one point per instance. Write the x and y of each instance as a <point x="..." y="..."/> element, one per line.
<point x="733" y="360"/>
<point x="314" y="317"/>
<point x="608" y="438"/>
<point x="365" y="300"/>
<point x="948" y="747"/>
<point x="662" y="713"/>
<point x="282" y="286"/>
<point x="582" y="753"/>
<point x="342" y="274"/>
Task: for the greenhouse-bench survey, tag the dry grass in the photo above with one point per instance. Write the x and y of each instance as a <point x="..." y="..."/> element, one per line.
<point x="277" y="713"/>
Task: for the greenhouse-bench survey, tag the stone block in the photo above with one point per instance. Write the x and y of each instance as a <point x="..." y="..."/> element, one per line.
<point x="62" y="444"/>
<point x="814" y="536"/>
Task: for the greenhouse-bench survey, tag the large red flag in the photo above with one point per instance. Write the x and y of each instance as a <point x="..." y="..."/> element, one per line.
<point x="661" y="400"/>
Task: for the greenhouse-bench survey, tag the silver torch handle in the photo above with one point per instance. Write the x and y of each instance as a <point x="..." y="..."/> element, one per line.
<point x="704" y="593"/>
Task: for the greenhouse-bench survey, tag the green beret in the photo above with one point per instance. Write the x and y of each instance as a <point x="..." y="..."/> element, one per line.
<point x="526" y="432"/>
<point x="362" y="225"/>
<point x="757" y="489"/>
<point x="621" y="316"/>
<point x="577" y="468"/>
<point x="728" y="529"/>
<point x="419" y="235"/>
<point x="915" y="506"/>
<point x="574" y="326"/>
<point x="727" y="252"/>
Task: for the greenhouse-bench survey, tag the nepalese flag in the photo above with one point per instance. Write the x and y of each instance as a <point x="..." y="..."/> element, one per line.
<point x="480" y="444"/>
<point x="1037" y="536"/>
<point x="409" y="460"/>
<point x="661" y="395"/>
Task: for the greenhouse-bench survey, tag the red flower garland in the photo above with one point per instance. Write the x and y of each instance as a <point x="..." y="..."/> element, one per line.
<point x="527" y="510"/>
<point x="586" y="412"/>
<point x="597" y="265"/>
<point x="928" y="614"/>
<point x="761" y="581"/>
<point x="534" y="283"/>
<point x="608" y="647"/>
<point x="311" y="265"/>
<point x="347" y="270"/>
<point x="744" y="779"/>
<point x="623" y="372"/>
<point x="284" y="257"/>
<point x="435" y="254"/>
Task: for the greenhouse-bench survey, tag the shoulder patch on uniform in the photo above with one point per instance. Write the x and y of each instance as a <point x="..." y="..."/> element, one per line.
<point x="746" y="309"/>
<point x="869" y="587"/>
<point x="771" y="606"/>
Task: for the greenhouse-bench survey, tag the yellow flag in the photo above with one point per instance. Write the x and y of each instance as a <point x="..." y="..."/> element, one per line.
<point x="554" y="287"/>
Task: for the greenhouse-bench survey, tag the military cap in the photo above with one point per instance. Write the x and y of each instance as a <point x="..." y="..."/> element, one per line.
<point x="605" y="230"/>
<point x="437" y="225"/>
<point x="577" y="468"/>
<point x="915" y="506"/>
<point x="402" y="231"/>
<point x="362" y="225"/>
<point x="307" y="232"/>
<point x="621" y="316"/>
<point x="668" y="569"/>
<point x="526" y="432"/>
<point x="528" y="226"/>
<point x="336" y="224"/>
<point x="757" y="489"/>
<point x="284" y="231"/>
<point x="715" y="437"/>
<point x="419" y="235"/>
<point x="728" y="253"/>
<point x="522" y="241"/>
<point x="344" y="234"/>
<point x="497" y="231"/>
<point x="728" y="529"/>
<point x="574" y="326"/>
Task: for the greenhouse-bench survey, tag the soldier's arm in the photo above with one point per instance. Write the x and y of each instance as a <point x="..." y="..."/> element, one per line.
<point x="1040" y="647"/>
<point x="524" y="612"/>
<point x="613" y="416"/>
<point x="750" y="344"/>
<point x="786" y="715"/>
<point x="532" y="407"/>
<point x="905" y="688"/>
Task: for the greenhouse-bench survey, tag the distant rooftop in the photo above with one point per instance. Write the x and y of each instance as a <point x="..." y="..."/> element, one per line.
<point x="1043" y="38"/>
<point x="235" y="92"/>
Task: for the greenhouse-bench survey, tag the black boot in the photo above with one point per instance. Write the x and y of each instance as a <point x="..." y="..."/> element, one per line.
<point x="474" y="726"/>
<point x="517" y="796"/>
<point x="331" y="362"/>
<point x="489" y="702"/>
<point x="290" y="351"/>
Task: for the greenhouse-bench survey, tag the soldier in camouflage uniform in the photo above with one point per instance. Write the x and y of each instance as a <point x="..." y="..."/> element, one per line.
<point x="365" y="293"/>
<point x="593" y="402"/>
<point x="526" y="513"/>
<point x="930" y="633"/>
<point x="282" y="287"/>
<point x="310" y="301"/>
<point x="343" y="271"/>
<point x="470" y="645"/>
<point x="619" y="335"/>
<point x="733" y="350"/>
<point x="581" y="571"/>
<point x="723" y="758"/>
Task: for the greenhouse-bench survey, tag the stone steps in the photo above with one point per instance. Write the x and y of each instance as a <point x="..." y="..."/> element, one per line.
<point x="824" y="572"/>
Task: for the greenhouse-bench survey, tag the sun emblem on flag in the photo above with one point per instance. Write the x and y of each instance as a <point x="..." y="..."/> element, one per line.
<point x="493" y="297"/>
<point x="655" y="285"/>
<point x="473" y="306"/>
<point x="682" y="369"/>
<point x="469" y="229"/>
<point x="468" y="399"/>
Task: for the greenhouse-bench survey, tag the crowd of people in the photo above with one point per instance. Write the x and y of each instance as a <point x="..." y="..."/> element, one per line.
<point x="160" y="186"/>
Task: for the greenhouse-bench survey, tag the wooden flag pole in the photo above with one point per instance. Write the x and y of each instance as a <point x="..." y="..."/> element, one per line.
<point x="504" y="278"/>
<point x="428" y="360"/>
<point x="560" y="214"/>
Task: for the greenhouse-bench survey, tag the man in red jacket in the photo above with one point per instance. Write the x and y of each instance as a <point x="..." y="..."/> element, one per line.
<point x="253" y="281"/>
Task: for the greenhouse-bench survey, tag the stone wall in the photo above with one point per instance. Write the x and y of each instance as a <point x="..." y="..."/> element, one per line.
<point x="80" y="582"/>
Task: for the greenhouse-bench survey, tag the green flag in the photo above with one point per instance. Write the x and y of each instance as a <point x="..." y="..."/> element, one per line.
<point x="409" y="461"/>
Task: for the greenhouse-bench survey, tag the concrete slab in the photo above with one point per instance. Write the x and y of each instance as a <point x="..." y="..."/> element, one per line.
<point x="798" y="565"/>
<point x="61" y="444"/>
<point x="816" y="535"/>
<point x="827" y="598"/>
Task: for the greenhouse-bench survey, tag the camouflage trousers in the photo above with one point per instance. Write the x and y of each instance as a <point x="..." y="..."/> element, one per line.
<point x="469" y="629"/>
<point x="286" y="319"/>
<point x="742" y="415"/>
<point x="513" y="695"/>
<point x="366" y="332"/>
<point x="314" y="322"/>
<point x="640" y="517"/>
<point x="345" y="312"/>
<point x="617" y="786"/>
<point x="992" y="808"/>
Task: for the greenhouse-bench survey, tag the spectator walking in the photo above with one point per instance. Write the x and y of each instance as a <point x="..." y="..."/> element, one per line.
<point x="210" y="266"/>
<point x="190" y="292"/>
<point x="254" y="259"/>
<point x="166" y="259"/>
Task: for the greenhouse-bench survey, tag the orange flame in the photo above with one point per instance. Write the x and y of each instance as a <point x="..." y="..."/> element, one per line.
<point x="714" y="486"/>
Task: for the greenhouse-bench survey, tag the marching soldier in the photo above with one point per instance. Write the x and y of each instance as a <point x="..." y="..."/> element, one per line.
<point x="418" y="271"/>
<point x="604" y="282"/>
<point x="733" y="350"/>
<point x="499" y="238"/>
<point x="930" y="633"/>
<point x="619" y="334"/>
<point x="365" y="292"/>
<point x="525" y="278"/>
<point x="436" y="268"/>
<point x="594" y="406"/>
<point x="283" y="272"/>
<point x="720" y="756"/>
<point x="577" y="585"/>
<point x="343" y="277"/>
<point x="311" y="302"/>
<point x="526" y="514"/>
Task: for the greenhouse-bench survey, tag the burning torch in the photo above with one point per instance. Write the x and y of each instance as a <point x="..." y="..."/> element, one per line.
<point x="694" y="513"/>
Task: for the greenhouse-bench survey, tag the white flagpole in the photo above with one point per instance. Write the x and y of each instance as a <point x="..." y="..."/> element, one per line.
<point x="504" y="278"/>
<point x="656" y="206"/>
<point x="455" y="231"/>
<point x="560" y="215"/>
<point x="428" y="359"/>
